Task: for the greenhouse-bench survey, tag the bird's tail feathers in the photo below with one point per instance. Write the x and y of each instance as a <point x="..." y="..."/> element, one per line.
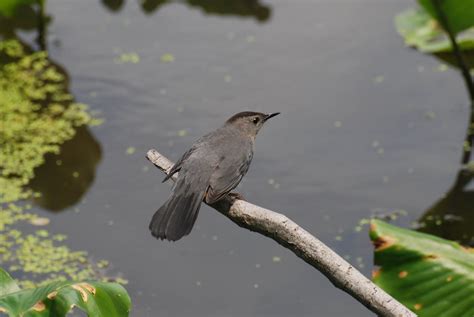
<point x="177" y="216"/>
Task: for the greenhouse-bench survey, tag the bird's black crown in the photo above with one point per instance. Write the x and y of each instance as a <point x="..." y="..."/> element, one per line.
<point x="243" y="115"/>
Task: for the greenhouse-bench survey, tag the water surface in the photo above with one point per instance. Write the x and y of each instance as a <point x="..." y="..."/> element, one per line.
<point x="367" y="127"/>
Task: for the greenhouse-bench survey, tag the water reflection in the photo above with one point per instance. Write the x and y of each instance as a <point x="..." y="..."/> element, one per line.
<point x="452" y="217"/>
<point x="450" y="59"/>
<point x="113" y="5"/>
<point x="27" y="18"/>
<point x="244" y="8"/>
<point x="64" y="178"/>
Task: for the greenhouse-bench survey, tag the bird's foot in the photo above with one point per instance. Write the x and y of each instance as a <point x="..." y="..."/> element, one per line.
<point x="235" y="196"/>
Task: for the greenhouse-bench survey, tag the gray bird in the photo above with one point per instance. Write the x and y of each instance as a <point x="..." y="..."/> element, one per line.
<point x="209" y="170"/>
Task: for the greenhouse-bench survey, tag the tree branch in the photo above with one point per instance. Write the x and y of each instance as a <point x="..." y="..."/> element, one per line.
<point x="287" y="233"/>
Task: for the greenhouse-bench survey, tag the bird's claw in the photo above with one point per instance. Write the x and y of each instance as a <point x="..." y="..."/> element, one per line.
<point x="235" y="196"/>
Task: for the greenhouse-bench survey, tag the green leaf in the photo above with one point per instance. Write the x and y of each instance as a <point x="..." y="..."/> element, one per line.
<point x="459" y="13"/>
<point x="7" y="284"/>
<point x="421" y="31"/>
<point x="8" y="7"/>
<point x="97" y="299"/>
<point x="429" y="275"/>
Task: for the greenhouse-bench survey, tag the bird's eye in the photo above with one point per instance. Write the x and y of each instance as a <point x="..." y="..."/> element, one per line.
<point x="256" y="120"/>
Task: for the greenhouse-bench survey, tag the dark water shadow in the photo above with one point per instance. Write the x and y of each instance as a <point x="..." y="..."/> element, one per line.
<point x="450" y="59"/>
<point x="113" y="5"/>
<point x="243" y="8"/>
<point x="452" y="217"/>
<point x="64" y="178"/>
<point x="27" y="18"/>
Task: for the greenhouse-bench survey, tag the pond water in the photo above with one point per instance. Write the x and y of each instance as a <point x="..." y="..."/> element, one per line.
<point x="368" y="127"/>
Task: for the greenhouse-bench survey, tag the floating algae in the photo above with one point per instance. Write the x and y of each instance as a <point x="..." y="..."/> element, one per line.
<point x="37" y="116"/>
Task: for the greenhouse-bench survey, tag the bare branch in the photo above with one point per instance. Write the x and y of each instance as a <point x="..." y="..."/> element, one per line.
<point x="287" y="233"/>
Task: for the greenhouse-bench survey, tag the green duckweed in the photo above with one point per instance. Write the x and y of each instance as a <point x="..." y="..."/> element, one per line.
<point x="37" y="115"/>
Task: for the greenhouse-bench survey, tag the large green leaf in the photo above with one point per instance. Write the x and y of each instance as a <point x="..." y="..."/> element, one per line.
<point x="421" y="31"/>
<point x="429" y="275"/>
<point x="459" y="13"/>
<point x="97" y="299"/>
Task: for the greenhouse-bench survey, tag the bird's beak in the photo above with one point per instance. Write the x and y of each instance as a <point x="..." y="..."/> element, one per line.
<point x="271" y="115"/>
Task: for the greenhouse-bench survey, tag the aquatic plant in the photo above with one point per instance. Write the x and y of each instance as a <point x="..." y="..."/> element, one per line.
<point x="97" y="299"/>
<point x="38" y="115"/>
<point x="422" y="29"/>
<point x="429" y="275"/>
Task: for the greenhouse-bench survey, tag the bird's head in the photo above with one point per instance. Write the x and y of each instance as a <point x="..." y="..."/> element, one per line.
<point x="250" y="122"/>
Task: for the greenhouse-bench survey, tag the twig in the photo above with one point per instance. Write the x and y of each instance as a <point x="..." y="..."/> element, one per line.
<point x="291" y="236"/>
<point x="468" y="141"/>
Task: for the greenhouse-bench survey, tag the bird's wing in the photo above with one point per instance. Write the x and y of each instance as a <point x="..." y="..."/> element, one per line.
<point x="227" y="176"/>
<point x="177" y="166"/>
<point x="198" y="144"/>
